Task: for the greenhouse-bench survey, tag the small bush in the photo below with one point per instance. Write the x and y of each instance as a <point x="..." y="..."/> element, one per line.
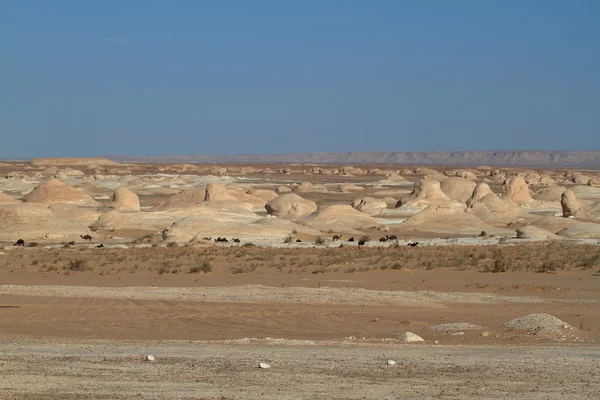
<point x="548" y="266"/>
<point x="249" y="244"/>
<point x="288" y="239"/>
<point x="172" y="244"/>
<point x="77" y="265"/>
<point x="237" y="270"/>
<point x="162" y="270"/>
<point x="32" y="244"/>
<point x="500" y="264"/>
<point x="319" y="240"/>
<point x="592" y="262"/>
<point x="205" y="267"/>
<point x="320" y="270"/>
<point x="366" y="238"/>
<point x="396" y="266"/>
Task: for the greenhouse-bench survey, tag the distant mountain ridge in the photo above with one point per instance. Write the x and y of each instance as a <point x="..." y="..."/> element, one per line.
<point x="459" y="158"/>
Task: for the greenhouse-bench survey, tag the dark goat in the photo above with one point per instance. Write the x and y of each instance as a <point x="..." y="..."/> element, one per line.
<point x="86" y="237"/>
<point x="100" y="246"/>
<point x="415" y="244"/>
<point x="351" y="239"/>
<point x="20" y="242"/>
<point x="361" y="243"/>
<point x="298" y="241"/>
<point x="336" y="237"/>
<point x="236" y="240"/>
<point x="222" y="240"/>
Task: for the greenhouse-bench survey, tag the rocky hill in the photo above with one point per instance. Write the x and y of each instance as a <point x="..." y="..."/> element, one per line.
<point x="463" y="158"/>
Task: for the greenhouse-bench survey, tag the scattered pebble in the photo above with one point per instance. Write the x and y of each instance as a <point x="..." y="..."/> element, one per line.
<point x="264" y="365"/>
<point x="391" y="362"/>
<point x="485" y="334"/>
<point x="150" y="357"/>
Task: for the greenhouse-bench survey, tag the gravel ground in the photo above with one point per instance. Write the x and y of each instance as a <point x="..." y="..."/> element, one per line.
<point x="540" y="324"/>
<point x="199" y="370"/>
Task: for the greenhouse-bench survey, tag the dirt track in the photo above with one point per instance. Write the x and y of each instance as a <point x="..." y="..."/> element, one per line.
<point x="193" y="370"/>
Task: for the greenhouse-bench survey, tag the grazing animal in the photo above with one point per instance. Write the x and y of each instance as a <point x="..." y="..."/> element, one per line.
<point x="236" y="240"/>
<point x="392" y="237"/>
<point x="20" y="242"/>
<point x="383" y="239"/>
<point x="336" y="237"/>
<point x="86" y="237"/>
<point x="361" y="243"/>
<point x="415" y="244"/>
<point x="298" y="241"/>
<point x="100" y="246"/>
<point x="206" y="238"/>
<point x="351" y="239"/>
<point x="222" y="240"/>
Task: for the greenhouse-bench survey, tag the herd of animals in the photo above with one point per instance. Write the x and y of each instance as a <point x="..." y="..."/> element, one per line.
<point x="361" y="242"/>
<point x="335" y="238"/>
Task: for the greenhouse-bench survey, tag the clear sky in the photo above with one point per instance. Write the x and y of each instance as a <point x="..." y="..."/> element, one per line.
<point x="84" y="78"/>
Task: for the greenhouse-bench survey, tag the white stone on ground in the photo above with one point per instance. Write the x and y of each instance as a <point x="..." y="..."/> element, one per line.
<point x="409" y="337"/>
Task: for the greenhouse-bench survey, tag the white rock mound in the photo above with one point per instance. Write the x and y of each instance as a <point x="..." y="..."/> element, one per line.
<point x="442" y="219"/>
<point x="458" y="189"/>
<point x="290" y="206"/>
<point x="369" y="205"/>
<point x="535" y="233"/>
<point x="342" y="218"/>
<point x="187" y="198"/>
<point x="30" y="221"/>
<point x="581" y="230"/>
<point x="516" y="189"/>
<point x="218" y="192"/>
<point x="124" y="199"/>
<point x="426" y="192"/>
<point x="571" y="206"/>
<point x="54" y="191"/>
<point x="552" y="194"/>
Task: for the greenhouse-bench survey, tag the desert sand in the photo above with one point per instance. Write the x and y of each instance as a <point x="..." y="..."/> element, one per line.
<point x="316" y="278"/>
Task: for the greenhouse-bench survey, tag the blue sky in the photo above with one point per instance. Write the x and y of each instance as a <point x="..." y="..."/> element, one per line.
<point x="84" y="78"/>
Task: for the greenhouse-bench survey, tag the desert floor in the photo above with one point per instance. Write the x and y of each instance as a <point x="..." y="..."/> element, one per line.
<point x="78" y="322"/>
